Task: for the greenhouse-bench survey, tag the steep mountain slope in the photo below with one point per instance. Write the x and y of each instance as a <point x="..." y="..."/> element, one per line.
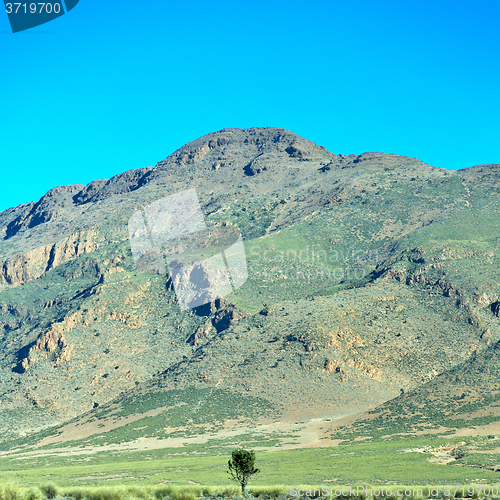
<point x="368" y="274"/>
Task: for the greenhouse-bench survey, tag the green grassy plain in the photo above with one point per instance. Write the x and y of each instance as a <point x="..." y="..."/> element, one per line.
<point x="379" y="463"/>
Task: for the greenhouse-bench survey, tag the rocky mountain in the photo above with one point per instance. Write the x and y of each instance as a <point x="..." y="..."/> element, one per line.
<point x="367" y="276"/>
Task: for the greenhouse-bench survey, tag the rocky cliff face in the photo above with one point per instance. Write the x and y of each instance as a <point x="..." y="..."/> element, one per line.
<point x="367" y="274"/>
<point x="37" y="262"/>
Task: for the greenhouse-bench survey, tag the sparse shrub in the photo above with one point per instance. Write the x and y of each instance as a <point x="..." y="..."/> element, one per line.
<point x="49" y="491"/>
<point x="475" y="494"/>
<point x="275" y="491"/>
<point x="183" y="494"/>
<point x="392" y="497"/>
<point x="34" y="494"/>
<point x="162" y="492"/>
<point x="105" y="494"/>
<point x="366" y="486"/>
<point x="142" y="493"/>
<point x="230" y="491"/>
<point x="459" y="453"/>
<point x="76" y="493"/>
<point x="10" y="492"/>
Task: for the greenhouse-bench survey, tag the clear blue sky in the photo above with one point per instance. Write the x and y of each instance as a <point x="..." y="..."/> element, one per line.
<point x="117" y="85"/>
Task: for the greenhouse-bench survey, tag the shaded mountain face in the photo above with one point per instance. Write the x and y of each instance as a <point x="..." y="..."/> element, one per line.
<point x="367" y="275"/>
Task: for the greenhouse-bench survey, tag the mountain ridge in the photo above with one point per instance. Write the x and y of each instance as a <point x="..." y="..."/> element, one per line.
<point x="368" y="274"/>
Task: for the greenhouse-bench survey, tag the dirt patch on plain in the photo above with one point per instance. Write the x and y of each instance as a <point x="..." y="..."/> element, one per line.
<point x="86" y="428"/>
<point x="306" y="434"/>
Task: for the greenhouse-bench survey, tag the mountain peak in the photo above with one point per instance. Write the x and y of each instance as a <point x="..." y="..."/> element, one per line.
<point x="256" y="140"/>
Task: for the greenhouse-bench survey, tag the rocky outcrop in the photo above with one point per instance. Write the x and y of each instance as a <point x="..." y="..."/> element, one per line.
<point x="257" y="165"/>
<point x="63" y="199"/>
<point x="200" y="334"/>
<point x="49" y="342"/>
<point x="227" y="317"/>
<point x="89" y="191"/>
<point x="495" y="308"/>
<point x="332" y="366"/>
<point x="33" y="264"/>
<point x="189" y="155"/>
<point x="119" y="184"/>
<point x="221" y="316"/>
<point x="295" y="152"/>
<point x="51" y="205"/>
<point x="53" y="340"/>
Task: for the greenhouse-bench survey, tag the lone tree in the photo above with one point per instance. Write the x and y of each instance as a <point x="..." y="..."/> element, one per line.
<point x="242" y="467"/>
